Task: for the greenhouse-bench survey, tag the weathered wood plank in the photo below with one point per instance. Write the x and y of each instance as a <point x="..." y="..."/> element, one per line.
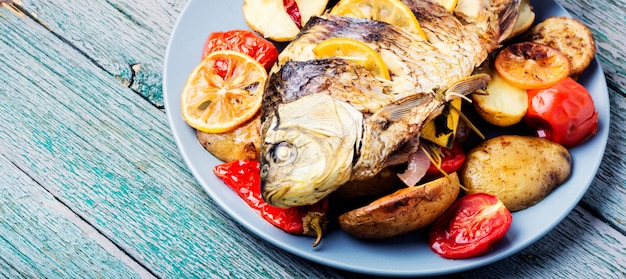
<point x="133" y="52"/>
<point x="607" y="20"/>
<point x="108" y="155"/>
<point x="113" y="168"/>
<point x="580" y="247"/>
<point x="38" y="241"/>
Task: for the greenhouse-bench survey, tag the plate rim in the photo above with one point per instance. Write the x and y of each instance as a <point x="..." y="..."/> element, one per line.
<point x="268" y="232"/>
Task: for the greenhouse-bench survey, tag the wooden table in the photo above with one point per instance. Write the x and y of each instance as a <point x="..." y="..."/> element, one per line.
<point x="92" y="184"/>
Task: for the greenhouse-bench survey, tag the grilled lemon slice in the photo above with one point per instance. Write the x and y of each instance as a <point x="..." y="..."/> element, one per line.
<point x="354" y="51"/>
<point x="389" y="11"/>
<point x="570" y="37"/>
<point x="223" y="92"/>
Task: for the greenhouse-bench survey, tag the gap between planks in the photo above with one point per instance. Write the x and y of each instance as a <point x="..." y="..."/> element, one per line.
<point x="94" y="234"/>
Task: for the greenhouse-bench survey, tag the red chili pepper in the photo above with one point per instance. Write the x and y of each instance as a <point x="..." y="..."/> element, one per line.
<point x="293" y="11"/>
<point x="563" y="113"/>
<point x="243" y="176"/>
<point x="451" y="160"/>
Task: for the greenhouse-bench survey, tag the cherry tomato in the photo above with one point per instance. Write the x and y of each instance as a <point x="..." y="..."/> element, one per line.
<point x="531" y="65"/>
<point x="243" y="41"/>
<point x="563" y="113"/>
<point x="470" y="227"/>
<point x="451" y="160"/>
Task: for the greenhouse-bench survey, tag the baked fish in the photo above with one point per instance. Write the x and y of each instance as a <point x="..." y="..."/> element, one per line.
<point x="319" y="132"/>
<point x="415" y="65"/>
<point x="329" y="121"/>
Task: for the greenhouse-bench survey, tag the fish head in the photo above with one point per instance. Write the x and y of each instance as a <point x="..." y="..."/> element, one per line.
<point x="307" y="150"/>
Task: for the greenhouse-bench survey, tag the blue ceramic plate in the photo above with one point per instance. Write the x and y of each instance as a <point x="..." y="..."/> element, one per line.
<point x="405" y="256"/>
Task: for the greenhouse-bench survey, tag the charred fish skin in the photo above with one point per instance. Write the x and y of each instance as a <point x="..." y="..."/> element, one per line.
<point x="491" y="20"/>
<point x="338" y="78"/>
<point x="508" y="13"/>
<point x="415" y="65"/>
<point x="313" y="112"/>
<point x="447" y="33"/>
<point x="315" y="144"/>
<point x="396" y="124"/>
<point x="308" y="149"/>
<point x="390" y="128"/>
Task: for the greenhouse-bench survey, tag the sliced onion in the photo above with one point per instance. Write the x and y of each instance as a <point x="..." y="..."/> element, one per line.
<point x="416" y="169"/>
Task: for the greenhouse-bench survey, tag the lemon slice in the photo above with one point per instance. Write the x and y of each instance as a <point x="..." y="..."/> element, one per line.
<point x="531" y="65"/>
<point x="223" y="92"/>
<point x="354" y="51"/>
<point x="389" y="11"/>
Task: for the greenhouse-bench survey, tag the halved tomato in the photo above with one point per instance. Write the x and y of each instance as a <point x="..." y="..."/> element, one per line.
<point x="243" y="41"/>
<point x="532" y="66"/>
<point x="564" y="113"/>
<point x="470" y="227"/>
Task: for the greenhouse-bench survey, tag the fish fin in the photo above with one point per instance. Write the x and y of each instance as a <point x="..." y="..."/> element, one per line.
<point x="465" y="86"/>
<point x="403" y="107"/>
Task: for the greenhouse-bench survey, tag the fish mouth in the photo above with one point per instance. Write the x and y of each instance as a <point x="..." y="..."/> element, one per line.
<point x="275" y="196"/>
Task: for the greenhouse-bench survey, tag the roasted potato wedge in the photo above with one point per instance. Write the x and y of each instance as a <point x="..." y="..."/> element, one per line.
<point x="403" y="211"/>
<point x="519" y="170"/>
<point x="241" y="143"/>
<point x="570" y="37"/>
<point x="504" y="105"/>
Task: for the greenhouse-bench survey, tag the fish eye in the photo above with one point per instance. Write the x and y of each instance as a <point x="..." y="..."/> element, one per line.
<point x="283" y="153"/>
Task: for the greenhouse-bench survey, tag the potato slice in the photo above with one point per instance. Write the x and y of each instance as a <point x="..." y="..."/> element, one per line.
<point x="241" y="143"/>
<point x="519" y="170"/>
<point x="570" y="37"/>
<point x="269" y="18"/>
<point x="405" y="210"/>
<point x="505" y="105"/>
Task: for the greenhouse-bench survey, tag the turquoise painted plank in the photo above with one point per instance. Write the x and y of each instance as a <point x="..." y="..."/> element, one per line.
<point x="37" y="241"/>
<point x="95" y="202"/>
<point x="125" y="38"/>
<point x="607" y="20"/>
<point x="108" y="155"/>
<point x="580" y="247"/>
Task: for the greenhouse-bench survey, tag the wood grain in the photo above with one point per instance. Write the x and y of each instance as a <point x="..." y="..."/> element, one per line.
<point x="127" y="39"/>
<point x="596" y="258"/>
<point x="83" y="128"/>
<point x="607" y="192"/>
<point x="107" y="154"/>
<point x="38" y="241"/>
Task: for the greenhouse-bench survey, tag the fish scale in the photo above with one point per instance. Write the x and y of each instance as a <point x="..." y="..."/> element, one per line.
<point x="415" y="65"/>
